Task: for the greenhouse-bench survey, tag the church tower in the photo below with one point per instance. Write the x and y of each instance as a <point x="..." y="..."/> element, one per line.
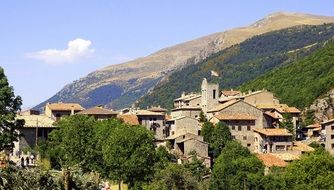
<point x="210" y="95"/>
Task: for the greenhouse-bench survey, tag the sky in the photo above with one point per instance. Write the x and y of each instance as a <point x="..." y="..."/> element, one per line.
<point x="48" y="44"/>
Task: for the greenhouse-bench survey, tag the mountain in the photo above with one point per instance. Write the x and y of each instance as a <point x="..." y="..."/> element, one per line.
<point x="121" y="85"/>
<point x="245" y="62"/>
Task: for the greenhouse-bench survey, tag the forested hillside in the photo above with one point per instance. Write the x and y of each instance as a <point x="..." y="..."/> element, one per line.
<point x="244" y="62"/>
<point x="301" y="82"/>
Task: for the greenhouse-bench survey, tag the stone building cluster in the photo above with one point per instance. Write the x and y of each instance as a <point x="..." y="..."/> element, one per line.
<point x="254" y="119"/>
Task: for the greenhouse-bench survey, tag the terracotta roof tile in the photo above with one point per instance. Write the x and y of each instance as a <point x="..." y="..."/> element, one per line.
<point x="235" y="116"/>
<point x="282" y="108"/>
<point x="36" y="120"/>
<point x="97" y="111"/>
<point x="64" y="106"/>
<point x="270" y="160"/>
<point x="223" y="106"/>
<point x="297" y="145"/>
<point x="231" y="92"/>
<point x="146" y="112"/>
<point x="131" y="119"/>
<point x="273" y="132"/>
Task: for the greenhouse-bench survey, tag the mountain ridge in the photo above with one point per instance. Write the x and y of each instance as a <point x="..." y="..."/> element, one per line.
<point x="133" y="79"/>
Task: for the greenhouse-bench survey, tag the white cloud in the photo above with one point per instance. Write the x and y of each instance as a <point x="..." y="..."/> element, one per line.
<point x="76" y="49"/>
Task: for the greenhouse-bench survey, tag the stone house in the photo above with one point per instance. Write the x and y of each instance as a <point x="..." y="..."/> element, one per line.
<point x="328" y="131"/>
<point x="269" y="161"/>
<point x="193" y="112"/>
<point x="181" y="125"/>
<point x="241" y="118"/>
<point x="58" y="110"/>
<point x="272" y="140"/>
<point x="190" y="100"/>
<point x="99" y="113"/>
<point x="36" y="127"/>
<point x="153" y="121"/>
<point x="184" y="146"/>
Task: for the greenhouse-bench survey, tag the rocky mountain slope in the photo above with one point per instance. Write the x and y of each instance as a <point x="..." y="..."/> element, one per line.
<point x="121" y="85"/>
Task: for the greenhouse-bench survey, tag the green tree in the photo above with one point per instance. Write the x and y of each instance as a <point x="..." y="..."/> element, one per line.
<point x="287" y="123"/>
<point x="236" y="168"/>
<point x="207" y="131"/>
<point x="220" y="137"/>
<point x="129" y="153"/>
<point x="311" y="172"/>
<point x="163" y="158"/>
<point x="173" y="177"/>
<point x="202" y="117"/>
<point x="197" y="168"/>
<point x="9" y="106"/>
<point x="73" y="142"/>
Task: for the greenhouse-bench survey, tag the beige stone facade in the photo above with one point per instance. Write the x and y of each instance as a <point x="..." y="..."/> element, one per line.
<point x="328" y="131"/>
<point x="272" y="140"/>
<point x="192" y="112"/>
<point x="182" y="125"/>
<point x="58" y="110"/>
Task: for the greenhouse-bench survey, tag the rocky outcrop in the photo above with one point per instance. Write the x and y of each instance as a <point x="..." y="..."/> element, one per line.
<point x="323" y="107"/>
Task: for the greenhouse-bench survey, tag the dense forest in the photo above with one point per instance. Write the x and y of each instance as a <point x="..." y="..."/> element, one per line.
<point x="301" y="82"/>
<point x="243" y="62"/>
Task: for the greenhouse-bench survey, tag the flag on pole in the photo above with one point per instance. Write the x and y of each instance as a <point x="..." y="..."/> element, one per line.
<point x="214" y="73"/>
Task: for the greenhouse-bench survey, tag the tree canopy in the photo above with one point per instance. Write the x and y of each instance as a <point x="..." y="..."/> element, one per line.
<point x="9" y="106"/>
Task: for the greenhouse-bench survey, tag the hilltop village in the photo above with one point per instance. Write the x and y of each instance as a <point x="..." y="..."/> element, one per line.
<point x="257" y="120"/>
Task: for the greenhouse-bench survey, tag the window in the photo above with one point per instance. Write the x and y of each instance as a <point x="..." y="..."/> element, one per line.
<point x="233" y="127"/>
<point x="248" y="145"/>
<point x="248" y="128"/>
<point x="332" y="136"/>
<point x="245" y="137"/>
<point x="332" y="146"/>
<point x="280" y="147"/>
<point x="214" y="94"/>
<point x="255" y="139"/>
<point x="239" y="128"/>
<point x="332" y="127"/>
<point x="196" y="116"/>
<point x="233" y="137"/>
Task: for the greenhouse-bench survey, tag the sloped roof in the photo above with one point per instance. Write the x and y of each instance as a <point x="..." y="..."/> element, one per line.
<point x="131" y="119"/>
<point x="223" y="106"/>
<point x="231" y="92"/>
<point x="64" y="106"/>
<point x="234" y="116"/>
<point x="36" y="120"/>
<point x="187" y="108"/>
<point x="273" y="132"/>
<point x="287" y="156"/>
<point x="146" y="112"/>
<point x="157" y="109"/>
<point x="270" y="160"/>
<point x="270" y="114"/>
<point x="328" y="121"/>
<point x="188" y="97"/>
<point x="97" y="111"/>
<point x="297" y="145"/>
<point x="282" y="108"/>
<point x="180" y="117"/>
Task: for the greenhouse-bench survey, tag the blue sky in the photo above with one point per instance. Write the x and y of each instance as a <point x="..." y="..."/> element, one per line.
<point x="48" y="44"/>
